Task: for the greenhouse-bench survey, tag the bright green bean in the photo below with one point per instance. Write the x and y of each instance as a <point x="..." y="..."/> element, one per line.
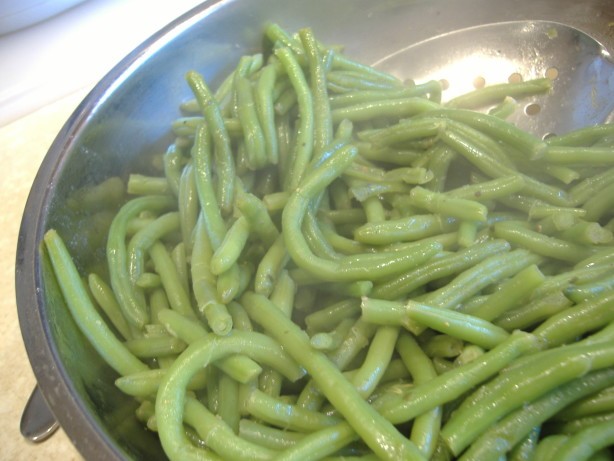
<point x="377" y="433"/>
<point x="220" y="437"/>
<point x="425" y="428"/>
<point x="519" y="385"/>
<point x="454" y="383"/>
<point x="223" y="154"/>
<point x="303" y="149"/>
<point x="263" y="98"/>
<point x="84" y="313"/>
<point x="131" y="303"/>
<point x="197" y="355"/>
<point x="510" y="430"/>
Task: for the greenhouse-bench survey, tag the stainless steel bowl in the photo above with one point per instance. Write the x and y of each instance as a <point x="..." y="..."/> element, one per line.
<point x="127" y="116"/>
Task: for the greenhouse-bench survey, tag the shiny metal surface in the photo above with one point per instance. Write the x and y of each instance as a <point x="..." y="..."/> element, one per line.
<point x="37" y="421"/>
<point x="581" y="69"/>
<point x="128" y="115"/>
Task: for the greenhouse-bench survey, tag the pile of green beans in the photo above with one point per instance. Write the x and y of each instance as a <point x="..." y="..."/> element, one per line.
<point x="335" y="264"/>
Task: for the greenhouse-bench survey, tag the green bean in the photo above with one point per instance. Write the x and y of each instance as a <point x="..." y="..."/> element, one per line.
<point x="253" y="135"/>
<point x="131" y="303"/>
<point x="347" y="80"/>
<point x="331" y="340"/>
<point x="582" y="445"/>
<point x="263" y="97"/>
<point x="180" y="259"/>
<point x="443" y="346"/>
<point x="580" y="424"/>
<point x="542" y="244"/>
<point x="85" y="314"/>
<point x="267" y="436"/>
<point x="188" y="205"/>
<point x="505" y="108"/>
<point x="600" y="204"/>
<point x="493" y="93"/>
<point x="223" y="154"/>
<point x="425" y="428"/>
<point x="303" y="149"/>
<point x="586" y="188"/>
<point x="404" y="131"/>
<point x="177" y="296"/>
<point x="147" y="348"/>
<point x="270" y="266"/>
<point x="401" y="157"/>
<point x="599" y="402"/>
<point x="322" y="125"/>
<point x="319" y="444"/>
<point x="349" y="267"/>
<point x="439" y="268"/>
<point x="256" y="214"/>
<point x="331" y="315"/>
<point x="411" y="228"/>
<point x="343" y="62"/>
<point x="231" y="247"/>
<point x="436" y="202"/>
<point x="197" y="355"/>
<point x="547" y="447"/>
<point x="581" y="137"/>
<point x="533" y="312"/>
<point x="203" y="282"/>
<point x="587" y="233"/>
<point x="240" y="368"/>
<point x="520" y="385"/>
<point x="220" y="437"/>
<point x="567" y="155"/>
<point x="454" y="383"/>
<point x="396" y="108"/>
<point x="212" y="215"/>
<point x="284" y="415"/>
<point x="366" y="96"/>
<point x="173" y="162"/>
<point x="107" y="194"/>
<point x="148" y="280"/>
<point x="488" y="190"/>
<point x="474" y="279"/>
<point x="487" y="164"/>
<point x="146" y="383"/>
<point x="142" y="241"/>
<point x="375" y="431"/>
<point x="139" y="184"/>
<point x="105" y="298"/>
<point x="276" y="34"/>
<point x="377" y="360"/>
<point x="228" y="410"/>
<point x="318" y="245"/>
<point x="514" y="426"/>
<point x="512" y="293"/>
<point x="577" y="320"/>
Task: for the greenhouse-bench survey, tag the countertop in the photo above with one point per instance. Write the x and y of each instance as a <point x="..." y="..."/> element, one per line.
<point x="24" y="143"/>
<point x="33" y="108"/>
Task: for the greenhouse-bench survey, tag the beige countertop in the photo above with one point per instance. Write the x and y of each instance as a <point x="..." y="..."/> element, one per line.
<point x="23" y="144"/>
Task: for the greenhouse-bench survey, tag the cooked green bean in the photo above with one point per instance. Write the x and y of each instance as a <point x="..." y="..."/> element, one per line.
<point x="448" y="386"/>
<point x="220" y="437"/>
<point x="115" y="353"/>
<point x="303" y="149"/>
<point x="223" y="154"/>
<point x="131" y="303"/>
<point x="508" y="431"/>
<point x="309" y="208"/>
<point x="493" y="93"/>
<point x="425" y="429"/>
<point x="378" y="434"/>
<point x="519" y="385"/>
